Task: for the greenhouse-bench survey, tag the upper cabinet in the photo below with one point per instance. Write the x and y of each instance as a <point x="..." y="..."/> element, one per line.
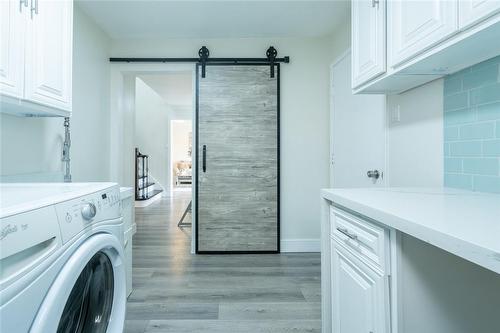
<point x="414" y="26"/>
<point x="473" y="11"/>
<point x="425" y="41"/>
<point x="368" y="40"/>
<point x="36" y="63"/>
<point x="12" y="26"/>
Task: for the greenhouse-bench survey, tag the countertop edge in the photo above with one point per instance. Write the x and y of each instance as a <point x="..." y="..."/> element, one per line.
<point x="472" y="252"/>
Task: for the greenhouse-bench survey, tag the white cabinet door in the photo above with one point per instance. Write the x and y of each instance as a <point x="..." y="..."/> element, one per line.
<point x="416" y="25"/>
<point x="368" y="40"/>
<point x="473" y="11"/>
<point x="360" y="295"/>
<point x="49" y="54"/>
<point x="12" y="28"/>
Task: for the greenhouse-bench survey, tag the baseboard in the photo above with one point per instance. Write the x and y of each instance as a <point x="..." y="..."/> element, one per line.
<point x="145" y="203"/>
<point x="300" y="245"/>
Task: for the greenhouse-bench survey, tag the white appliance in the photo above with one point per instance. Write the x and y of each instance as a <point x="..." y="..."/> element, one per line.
<point x="61" y="258"/>
<point x="129" y="229"/>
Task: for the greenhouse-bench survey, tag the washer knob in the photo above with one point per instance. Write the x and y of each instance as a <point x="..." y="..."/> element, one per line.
<point x="89" y="211"/>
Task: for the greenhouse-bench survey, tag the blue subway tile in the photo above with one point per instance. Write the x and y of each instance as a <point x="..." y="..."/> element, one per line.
<point x="461" y="72"/>
<point x="459" y="117"/>
<point x="452" y="84"/>
<point x="481" y="166"/>
<point x="481" y="77"/>
<point x="487" y="184"/>
<point x="498" y="129"/>
<point x="491" y="148"/>
<point x="465" y="148"/>
<point x="446" y="149"/>
<point x="478" y="131"/>
<point x="451" y="133"/>
<point x="486" y="63"/>
<point x="486" y="94"/>
<point x="456" y="101"/>
<point x="458" y="181"/>
<point x="453" y="165"/>
<point x="488" y="111"/>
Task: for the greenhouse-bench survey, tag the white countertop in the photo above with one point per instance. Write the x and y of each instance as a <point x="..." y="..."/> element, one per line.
<point x="16" y="198"/>
<point x="126" y="192"/>
<point x="464" y="223"/>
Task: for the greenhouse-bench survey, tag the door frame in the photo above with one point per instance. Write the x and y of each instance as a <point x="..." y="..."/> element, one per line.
<point x="341" y="57"/>
<point x="196" y="152"/>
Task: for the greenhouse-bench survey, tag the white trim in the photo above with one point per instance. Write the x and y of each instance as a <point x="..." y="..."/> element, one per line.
<point x="145" y="203"/>
<point x="341" y="57"/>
<point x="300" y="245"/>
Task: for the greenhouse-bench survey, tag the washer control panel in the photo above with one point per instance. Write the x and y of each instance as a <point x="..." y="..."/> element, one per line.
<point x="78" y="214"/>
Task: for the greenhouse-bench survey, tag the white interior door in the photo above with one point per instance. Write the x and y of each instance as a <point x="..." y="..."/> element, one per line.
<point x="357" y="132"/>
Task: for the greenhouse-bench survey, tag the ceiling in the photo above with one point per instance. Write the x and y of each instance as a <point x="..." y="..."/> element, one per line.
<point x="216" y="19"/>
<point x="176" y="89"/>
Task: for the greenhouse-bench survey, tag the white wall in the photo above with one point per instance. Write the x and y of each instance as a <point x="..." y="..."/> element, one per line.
<point x="31" y="147"/>
<point x="304" y="118"/>
<point x="340" y="40"/>
<point x="152" y="131"/>
<point x="415" y="142"/>
<point x="180" y="140"/>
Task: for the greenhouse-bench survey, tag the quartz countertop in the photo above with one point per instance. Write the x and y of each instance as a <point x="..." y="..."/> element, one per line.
<point x="464" y="223"/>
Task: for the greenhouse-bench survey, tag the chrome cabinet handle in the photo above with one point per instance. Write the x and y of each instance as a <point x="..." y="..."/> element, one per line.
<point x="34" y="8"/>
<point x="347" y="233"/>
<point x="21" y="3"/>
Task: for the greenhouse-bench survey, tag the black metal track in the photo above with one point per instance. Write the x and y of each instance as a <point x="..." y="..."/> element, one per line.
<point x="197" y="60"/>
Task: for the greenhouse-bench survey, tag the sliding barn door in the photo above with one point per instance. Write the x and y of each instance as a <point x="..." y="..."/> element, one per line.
<point x="238" y="159"/>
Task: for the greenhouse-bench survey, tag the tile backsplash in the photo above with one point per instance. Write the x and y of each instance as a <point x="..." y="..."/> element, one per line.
<point x="472" y="128"/>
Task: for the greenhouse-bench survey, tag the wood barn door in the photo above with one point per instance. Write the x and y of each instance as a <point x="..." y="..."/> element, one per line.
<point x="237" y="183"/>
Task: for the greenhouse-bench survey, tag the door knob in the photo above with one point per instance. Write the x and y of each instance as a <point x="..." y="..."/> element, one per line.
<point x="375" y="174"/>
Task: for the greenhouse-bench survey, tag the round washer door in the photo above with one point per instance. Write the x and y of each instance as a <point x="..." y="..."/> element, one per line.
<point x="88" y="296"/>
<point x="90" y="302"/>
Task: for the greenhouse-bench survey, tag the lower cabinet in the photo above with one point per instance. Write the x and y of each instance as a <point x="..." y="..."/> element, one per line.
<point x="360" y="296"/>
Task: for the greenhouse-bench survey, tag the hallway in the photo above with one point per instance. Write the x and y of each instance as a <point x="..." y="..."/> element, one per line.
<point x="175" y="291"/>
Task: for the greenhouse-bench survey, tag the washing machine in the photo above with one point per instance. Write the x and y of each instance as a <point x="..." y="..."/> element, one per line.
<point x="61" y="258"/>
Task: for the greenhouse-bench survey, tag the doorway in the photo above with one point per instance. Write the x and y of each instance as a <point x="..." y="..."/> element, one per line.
<point x="173" y="84"/>
<point x="181" y="153"/>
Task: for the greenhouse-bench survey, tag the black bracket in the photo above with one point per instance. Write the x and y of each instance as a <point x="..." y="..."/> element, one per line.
<point x="271" y="54"/>
<point x="204" y="53"/>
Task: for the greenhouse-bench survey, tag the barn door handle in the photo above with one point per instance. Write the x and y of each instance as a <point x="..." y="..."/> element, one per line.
<point x="204" y="158"/>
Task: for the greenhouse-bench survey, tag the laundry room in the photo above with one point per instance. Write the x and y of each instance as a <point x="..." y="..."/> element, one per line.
<point x="249" y="166"/>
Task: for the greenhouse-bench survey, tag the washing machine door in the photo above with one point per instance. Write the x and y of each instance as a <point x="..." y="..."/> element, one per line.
<point x="88" y="295"/>
<point x="90" y="302"/>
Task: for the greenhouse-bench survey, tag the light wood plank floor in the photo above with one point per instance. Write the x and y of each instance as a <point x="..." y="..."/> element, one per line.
<point x="175" y="291"/>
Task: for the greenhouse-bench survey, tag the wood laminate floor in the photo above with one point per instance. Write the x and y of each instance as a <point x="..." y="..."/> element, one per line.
<point x="174" y="291"/>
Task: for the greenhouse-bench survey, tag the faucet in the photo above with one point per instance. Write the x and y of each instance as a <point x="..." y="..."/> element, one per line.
<point x="65" y="152"/>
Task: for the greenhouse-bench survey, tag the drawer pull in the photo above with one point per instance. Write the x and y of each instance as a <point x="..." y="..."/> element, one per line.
<point x="347" y="233"/>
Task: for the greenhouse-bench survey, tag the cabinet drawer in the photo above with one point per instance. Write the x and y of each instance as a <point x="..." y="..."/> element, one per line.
<point x="370" y="242"/>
